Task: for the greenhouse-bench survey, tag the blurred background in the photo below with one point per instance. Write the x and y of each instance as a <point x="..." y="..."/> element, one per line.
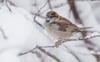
<point x="83" y="13"/>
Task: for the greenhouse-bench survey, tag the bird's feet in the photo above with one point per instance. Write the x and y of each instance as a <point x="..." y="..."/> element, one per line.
<point x="58" y="42"/>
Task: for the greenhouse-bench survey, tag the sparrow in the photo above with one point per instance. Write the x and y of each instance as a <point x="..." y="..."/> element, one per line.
<point x="60" y="27"/>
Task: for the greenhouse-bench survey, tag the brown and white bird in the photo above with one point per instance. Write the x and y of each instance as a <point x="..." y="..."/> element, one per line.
<point x="59" y="27"/>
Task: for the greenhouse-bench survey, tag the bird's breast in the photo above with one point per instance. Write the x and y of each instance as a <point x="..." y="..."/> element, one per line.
<point x="56" y="33"/>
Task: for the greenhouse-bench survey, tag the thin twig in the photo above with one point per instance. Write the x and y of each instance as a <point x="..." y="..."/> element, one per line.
<point x="61" y="41"/>
<point x="30" y="51"/>
<point x="38" y="13"/>
<point x="78" y="20"/>
<point x="11" y="3"/>
<point x="65" y="40"/>
<point x="6" y="3"/>
<point x="49" y="54"/>
<point x="38" y="22"/>
<point x="74" y="11"/>
<point x="52" y="56"/>
<point x="36" y="5"/>
<point x="42" y="50"/>
<point x="70" y="51"/>
<point x="49" y="4"/>
<point x="38" y="54"/>
<point x="3" y="34"/>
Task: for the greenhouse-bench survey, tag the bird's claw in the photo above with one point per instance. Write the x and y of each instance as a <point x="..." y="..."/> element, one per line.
<point x="58" y="42"/>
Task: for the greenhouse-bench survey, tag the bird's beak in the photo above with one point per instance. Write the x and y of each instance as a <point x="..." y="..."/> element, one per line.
<point x="47" y="19"/>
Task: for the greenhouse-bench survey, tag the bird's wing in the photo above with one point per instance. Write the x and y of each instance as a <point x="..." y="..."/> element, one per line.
<point x="63" y="19"/>
<point x="64" y="26"/>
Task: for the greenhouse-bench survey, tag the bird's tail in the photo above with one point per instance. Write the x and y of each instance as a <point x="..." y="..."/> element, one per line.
<point x="85" y="28"/>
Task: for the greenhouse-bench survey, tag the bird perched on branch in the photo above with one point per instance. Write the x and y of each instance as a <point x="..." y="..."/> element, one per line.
<point x="59" y="27"/>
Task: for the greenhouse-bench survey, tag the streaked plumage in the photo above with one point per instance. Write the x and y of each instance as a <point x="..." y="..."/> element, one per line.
<point x="59" y="27"/>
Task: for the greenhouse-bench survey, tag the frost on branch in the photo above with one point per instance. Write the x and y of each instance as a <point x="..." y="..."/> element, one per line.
<point x="22" y="37"/>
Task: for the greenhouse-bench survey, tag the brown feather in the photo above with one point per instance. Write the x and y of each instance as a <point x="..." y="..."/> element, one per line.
<point x="63" y="26"/>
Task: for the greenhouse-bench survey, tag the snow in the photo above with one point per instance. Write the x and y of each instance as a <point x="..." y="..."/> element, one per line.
<point x="9" y="56"/>
<point x="19" y="32"/>
<point x="23" y="34"/>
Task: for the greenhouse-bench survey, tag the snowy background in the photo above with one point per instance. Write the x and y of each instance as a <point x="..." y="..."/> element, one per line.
<point x="19" y="33"/>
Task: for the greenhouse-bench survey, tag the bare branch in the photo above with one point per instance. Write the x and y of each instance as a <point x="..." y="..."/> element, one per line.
<point x="38" y="22"/>
<point x="70" y="51"/>
<point x="42" y="50"/>
<point x="73" y="8"/>
<point x="37" y="53"/>
<point x="78" y="20"/>
<point x="38" y="13"/>
<point x="35" y="49"/>
<point x="49" y="4"/>
<point x="49" y="54"/>
<point x="3" y="34"/>
<point x="6" y="3"/>
<point x="61" y="41"/>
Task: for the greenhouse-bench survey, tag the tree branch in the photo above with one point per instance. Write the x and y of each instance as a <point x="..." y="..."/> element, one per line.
<point x="3" y="34"/>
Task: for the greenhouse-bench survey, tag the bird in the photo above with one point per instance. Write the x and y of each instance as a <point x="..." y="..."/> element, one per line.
<point x="60" y="27"/>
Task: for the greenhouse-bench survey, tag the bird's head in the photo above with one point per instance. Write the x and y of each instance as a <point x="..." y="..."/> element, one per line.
<point x="51" y="15"/>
